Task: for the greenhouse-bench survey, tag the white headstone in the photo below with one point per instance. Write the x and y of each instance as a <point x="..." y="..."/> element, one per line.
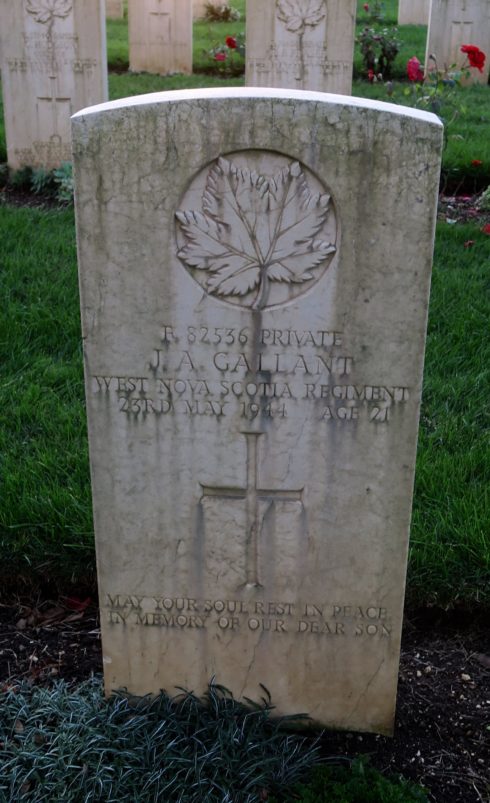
<point x="160" y="36"/>
<point x="254" y="304"/>
<point x="413" y="12"/>
<point x="199" y="7"/>
<point x="53" y="63"/>
<point x="454" y="23"/>
<point x="301" y="44"/>
<point x="114" y="9"/>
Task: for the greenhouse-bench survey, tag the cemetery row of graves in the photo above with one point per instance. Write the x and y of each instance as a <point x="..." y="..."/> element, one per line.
<point x="65" y="742"/>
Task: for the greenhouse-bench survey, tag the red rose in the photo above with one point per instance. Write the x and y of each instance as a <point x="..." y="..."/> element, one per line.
<point x="231" y="42"/>
<point x="366" y="6"/>
<point x="476" y="57"/>
<point x="476" y="162"/>
<point x="371" y="75"/>
<point x="220" y="57"/>
<point x="486" y="228"/>
<point x="414" y="70"/>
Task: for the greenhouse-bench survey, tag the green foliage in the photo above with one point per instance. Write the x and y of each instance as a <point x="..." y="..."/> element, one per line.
<point x="59" y="745"/>
<point x="379" y="47"/>
<point x="42" y="181"/>
<point x="63" y="178"/>
<point x="356" y="783"/>
<point x="21" y="179"/>
<point x="484" y="200"/>
<point x="57" y="184"/>
<point x="229" y="55"/>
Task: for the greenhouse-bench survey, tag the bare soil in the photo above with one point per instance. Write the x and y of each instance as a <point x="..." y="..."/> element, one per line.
<point x="443" y="716"/>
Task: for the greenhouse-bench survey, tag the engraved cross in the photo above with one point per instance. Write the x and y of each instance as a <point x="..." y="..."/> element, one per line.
<point x="53" y="100"/>
<point x="252" y="495"/>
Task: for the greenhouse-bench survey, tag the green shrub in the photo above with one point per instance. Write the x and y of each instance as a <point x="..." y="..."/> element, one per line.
<point x="356" y="783"/>
<point x="75" y="746"/>
<point x="42" y="181"/>
<point x="21" y="179"/>
<point x="379" y="48"/>
<point x="63" y="178"/>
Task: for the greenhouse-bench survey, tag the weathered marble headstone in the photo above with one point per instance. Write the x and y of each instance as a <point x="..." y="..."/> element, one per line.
<point x="254" y="302"/>
<point x="413" y="12"/>
<point x="199" y="7"/>
<point x="53" y="62"/>
<point x="160" y="36"/>
<point x="453" y="23"/>
<point x="114" y="9"/>
<point x="301" y="44"/>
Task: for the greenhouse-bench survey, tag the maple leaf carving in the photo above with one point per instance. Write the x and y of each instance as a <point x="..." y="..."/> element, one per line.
<point x="298" y="14"/>
<point x="45" y="10"/>
<point x="254" y="230"/>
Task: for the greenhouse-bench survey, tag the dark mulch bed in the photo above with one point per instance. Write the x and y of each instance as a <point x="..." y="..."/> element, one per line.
<point x="441" y="738"/>
<point x="18" y="196"/>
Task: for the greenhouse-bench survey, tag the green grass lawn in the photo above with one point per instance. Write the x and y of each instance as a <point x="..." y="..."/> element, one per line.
<point x="45" y="509"/>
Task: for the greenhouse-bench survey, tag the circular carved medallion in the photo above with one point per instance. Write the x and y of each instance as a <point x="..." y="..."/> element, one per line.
<point x="256" y="229"/>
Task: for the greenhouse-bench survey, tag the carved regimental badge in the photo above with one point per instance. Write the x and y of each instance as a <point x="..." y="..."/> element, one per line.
<point x="300" y="14"/>
<point x="256" y="229"/>
<point x="45" y="11"/>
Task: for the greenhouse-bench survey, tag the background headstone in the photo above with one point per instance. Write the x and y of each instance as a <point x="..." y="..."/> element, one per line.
<point x="301" y="44"/>
<point x="199" y="7"/>
<point x="53" y="62"/>
<point x="453" y="23"/>
<point x="254" y="305"/>
<point x="160" y="36"/>
<point x="114" y="9"/>
<point x="413" y="12"/>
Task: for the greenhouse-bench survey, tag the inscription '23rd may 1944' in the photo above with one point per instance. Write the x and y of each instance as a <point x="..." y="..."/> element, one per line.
<point x="199" y="371"/>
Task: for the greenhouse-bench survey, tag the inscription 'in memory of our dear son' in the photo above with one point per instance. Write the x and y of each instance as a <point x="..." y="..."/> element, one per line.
<point x="183" y="613"/>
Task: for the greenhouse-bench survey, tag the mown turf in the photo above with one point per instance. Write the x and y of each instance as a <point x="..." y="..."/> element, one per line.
<point x="45" y="512"/>
<point x="45" y="499"/>
<point x="450" y="547"/>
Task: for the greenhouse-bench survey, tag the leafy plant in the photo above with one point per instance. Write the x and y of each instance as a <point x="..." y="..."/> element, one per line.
<point x="484" y="200"/>
<point x="75" y="746"/>
<point x="379" y="49"/>
<point x="63" y="178"/>
<point x="356" y="783"/>
<point x="42" y="180"/>
<point x="227" y="52"/>
<point x="219" y="12"/>
<point x="21" y="179"/>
